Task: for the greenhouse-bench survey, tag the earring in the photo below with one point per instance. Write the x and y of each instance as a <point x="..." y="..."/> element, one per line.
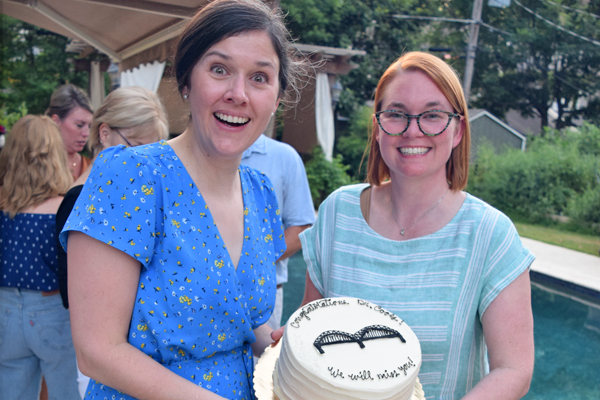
<point x="185" y="96"/>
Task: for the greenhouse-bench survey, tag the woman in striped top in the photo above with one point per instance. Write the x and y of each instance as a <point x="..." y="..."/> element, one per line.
<point x="412" y="241"/>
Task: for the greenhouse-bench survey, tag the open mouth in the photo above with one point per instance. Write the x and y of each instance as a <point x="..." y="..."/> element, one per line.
<point x="413" y="151"/>
<point x="231" y="120"/>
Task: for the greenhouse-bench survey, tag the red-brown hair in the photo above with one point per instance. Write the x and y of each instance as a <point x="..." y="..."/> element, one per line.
<point x="446" y="79"/>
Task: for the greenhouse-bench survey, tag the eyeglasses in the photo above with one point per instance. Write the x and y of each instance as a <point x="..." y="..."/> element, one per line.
<point x="124" y="138"/>
<point x="431" y="123"/>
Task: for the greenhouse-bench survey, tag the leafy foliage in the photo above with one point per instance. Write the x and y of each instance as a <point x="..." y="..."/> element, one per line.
<point x="33" y="64"/>
<point x="361" y="25"/>
<point x="352" y="144"/>
<point x="8" y="119"/>
<point x="523" y="64"/>
<point x="529" y="65"/>
<point x="558" y="175"/>
<point x="324" y="177"/>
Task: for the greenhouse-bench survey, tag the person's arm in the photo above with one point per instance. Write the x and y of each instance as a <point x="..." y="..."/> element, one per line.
<point x="263" y="339"/>
<point x="102" y="287"/>
<point x="310" y="291"/>
<point x="292" y="240"/>
<point x="508" y="331"/>
<point x="310" y="294"/>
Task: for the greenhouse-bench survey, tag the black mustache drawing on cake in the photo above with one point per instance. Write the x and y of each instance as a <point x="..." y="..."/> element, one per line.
<point x="367" y="333"/>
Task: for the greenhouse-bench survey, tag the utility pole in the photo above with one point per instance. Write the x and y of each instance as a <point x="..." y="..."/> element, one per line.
<point x="472" y="47"/>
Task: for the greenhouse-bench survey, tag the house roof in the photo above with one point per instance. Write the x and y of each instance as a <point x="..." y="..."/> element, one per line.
<point x="475" y="114"/>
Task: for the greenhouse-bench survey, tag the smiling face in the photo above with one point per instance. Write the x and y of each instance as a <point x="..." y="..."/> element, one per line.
<point x="414" y="154"/>
<point x="233" y="90"/>
<point x="75" y="129"/>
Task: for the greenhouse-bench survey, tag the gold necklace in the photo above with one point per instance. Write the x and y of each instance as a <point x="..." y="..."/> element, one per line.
<point x="403" y="230"/>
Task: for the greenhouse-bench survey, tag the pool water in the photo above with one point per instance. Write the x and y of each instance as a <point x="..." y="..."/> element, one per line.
<point x="567" y="347"/>
<point x="566" y="331"/>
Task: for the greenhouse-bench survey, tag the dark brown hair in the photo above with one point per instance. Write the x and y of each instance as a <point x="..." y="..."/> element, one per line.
<point x="222" y="19"/>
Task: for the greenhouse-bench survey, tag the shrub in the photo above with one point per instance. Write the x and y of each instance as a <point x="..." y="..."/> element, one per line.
<point x="553" y="176"/>
<point x="585" y="209"/>
<point x="324" y="177"/>
<point x="351" y="146"/>
<point x="8" y="119"/>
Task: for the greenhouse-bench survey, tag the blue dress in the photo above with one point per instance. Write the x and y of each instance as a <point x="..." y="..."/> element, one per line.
<point x="194" y="312"/>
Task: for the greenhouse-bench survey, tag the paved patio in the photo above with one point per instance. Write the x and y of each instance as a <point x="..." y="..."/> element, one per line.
<point x="566" y="265"/>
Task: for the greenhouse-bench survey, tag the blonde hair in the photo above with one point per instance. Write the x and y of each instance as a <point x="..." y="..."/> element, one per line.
<point x="33" y="165"/>
<point x="129" y="107"/>
<point x="446" y="79"/>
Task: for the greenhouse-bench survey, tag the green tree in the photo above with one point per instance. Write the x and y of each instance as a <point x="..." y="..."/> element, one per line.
<point x="352" y="144"/>
<point x="527" y="64"/>
<point x="524" y="64"/>
<point x="33" y="63"/>
<point x="361" y="25"/>
<point x="540" y="65"/>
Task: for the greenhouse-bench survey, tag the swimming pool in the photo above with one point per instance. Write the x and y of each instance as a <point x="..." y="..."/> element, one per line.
<point x="567" y="345"/>
<point x="566" y="332"/>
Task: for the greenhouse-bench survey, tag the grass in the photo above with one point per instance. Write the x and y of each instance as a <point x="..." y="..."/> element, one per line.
<point x="574" y="241"/>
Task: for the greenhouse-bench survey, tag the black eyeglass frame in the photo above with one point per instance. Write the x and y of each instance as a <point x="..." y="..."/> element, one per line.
<point x="120" y="134"/>
<point x="418" y="118"/>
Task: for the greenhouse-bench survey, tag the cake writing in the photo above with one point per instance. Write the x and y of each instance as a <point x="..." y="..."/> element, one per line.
<point x="371" y="332"/>
<point x="365" y="375"/>
<point x="380" y="310"/>
<point x="336" y="373"/>
<point x="315" y="305"/>
<point x="394" y="373"/>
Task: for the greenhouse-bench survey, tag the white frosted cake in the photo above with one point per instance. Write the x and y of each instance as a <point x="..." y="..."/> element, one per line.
<point x="347" y="348"/>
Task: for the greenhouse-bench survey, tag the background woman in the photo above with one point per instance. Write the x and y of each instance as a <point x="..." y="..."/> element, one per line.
<point x="70" y="108"/>
<point x="412" y="241"/>
<point x="35" y="329"/>
<point x="172" y="246"/>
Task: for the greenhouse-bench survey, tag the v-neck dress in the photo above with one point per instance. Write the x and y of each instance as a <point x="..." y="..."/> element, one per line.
<point x="194" y="312"/>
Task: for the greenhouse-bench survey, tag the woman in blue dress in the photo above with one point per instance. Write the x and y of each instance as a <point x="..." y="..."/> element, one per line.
<point x="172" y="246"/>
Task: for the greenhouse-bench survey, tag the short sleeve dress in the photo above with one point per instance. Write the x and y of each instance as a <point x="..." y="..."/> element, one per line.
<point x="194" y="311"/>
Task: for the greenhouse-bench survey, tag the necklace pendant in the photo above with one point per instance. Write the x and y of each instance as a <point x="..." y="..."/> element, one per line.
<point x="402" y="232"/>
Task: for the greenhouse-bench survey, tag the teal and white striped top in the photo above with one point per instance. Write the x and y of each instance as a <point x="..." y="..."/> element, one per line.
<point x="440" y="284"/>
